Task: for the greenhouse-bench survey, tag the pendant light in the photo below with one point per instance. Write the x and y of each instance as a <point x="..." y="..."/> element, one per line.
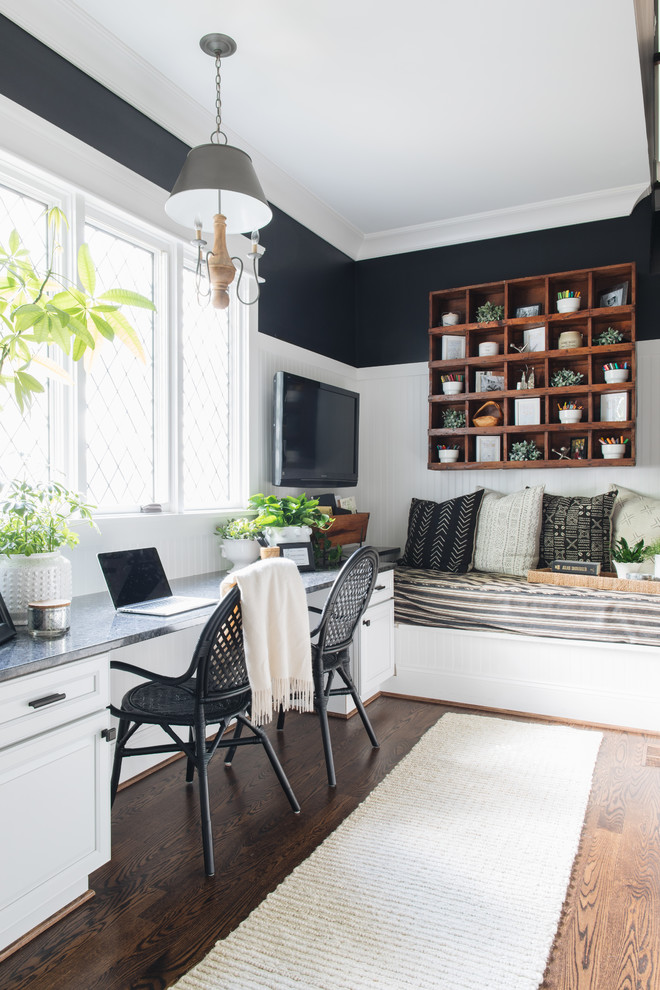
<point x="218" y="192"/>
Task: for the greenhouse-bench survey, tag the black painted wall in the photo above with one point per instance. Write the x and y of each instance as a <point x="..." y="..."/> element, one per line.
<point x="365" y="313"/>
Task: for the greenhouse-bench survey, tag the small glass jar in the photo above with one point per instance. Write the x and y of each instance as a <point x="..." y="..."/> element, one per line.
<point x="46" y="620"/>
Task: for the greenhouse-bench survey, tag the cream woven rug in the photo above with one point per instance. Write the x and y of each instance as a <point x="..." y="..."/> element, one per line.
<point x="451" y="875"/>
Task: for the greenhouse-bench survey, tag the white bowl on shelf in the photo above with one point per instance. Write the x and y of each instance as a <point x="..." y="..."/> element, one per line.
<point x="570" y="415"/>
<point x="570" y="305"/>
<point x="452" y="388"/>
<point x="612" y="451"/>
<point x="446" y="456"/>
<point x="615" y="375"/>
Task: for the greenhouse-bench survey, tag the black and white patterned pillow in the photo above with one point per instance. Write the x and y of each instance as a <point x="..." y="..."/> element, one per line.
<point x="577" y="528"/>
<point x="441" y="534"/>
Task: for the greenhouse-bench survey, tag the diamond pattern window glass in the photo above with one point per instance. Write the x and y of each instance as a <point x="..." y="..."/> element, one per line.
<point x="205" y="402"/>
<point x="119" y="389"/>
<point x="24" y="443"/>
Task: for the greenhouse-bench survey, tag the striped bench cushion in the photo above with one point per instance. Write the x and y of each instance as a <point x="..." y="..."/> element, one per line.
<point x="501" y="603"/>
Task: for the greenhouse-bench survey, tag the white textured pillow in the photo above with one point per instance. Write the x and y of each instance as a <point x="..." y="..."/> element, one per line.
<point x="635" y="517"/>
<point x="508" y="531"/>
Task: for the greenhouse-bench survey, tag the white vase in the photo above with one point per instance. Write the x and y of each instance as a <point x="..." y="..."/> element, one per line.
<point x="623" y="569"/>
<point x="287" y="534"/>
<point x="240" y="552"/>
<point x="656" y="565"/>
<point x="38" y="578"/>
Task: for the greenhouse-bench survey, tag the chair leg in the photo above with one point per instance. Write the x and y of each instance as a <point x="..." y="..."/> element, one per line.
<point x="119" y="755"/>
<point x="280" y="719"/>
<point x="231" y="752"/>
<point x="348" y="681"/>
<point x="322" y="706"/>
<point x="190" y="764"/>
<point x="204" y="800"/>
<point x="277" y="767"/>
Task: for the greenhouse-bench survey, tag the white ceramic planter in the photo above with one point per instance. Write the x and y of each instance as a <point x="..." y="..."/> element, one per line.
<point x="570" y="305"/>
<point x="488" y="348"/>
<point x="611" y="451"/>
<point x="656" y="565"/>
<point x="449" y="319"/>
<point x="287" y="534"/>
<point x="452" y="388"/>
<point x="616" y="375"/>
<point x="570" y="415"/>
<point x="37" y="578"/>
<point x="446" y="456"/>
<point x="240" y="552"/>
<point x="624" y="570"/>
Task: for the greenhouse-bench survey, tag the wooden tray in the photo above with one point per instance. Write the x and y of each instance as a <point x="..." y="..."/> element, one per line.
<point x="346" y="529"/>
<point x="606" y="581"/>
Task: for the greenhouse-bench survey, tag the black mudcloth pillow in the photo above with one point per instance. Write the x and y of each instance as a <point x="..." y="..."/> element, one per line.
<point x="441" y="534"/>
<point x="577" y="528"/>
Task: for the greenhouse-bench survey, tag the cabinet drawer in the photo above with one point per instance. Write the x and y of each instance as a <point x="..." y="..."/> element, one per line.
<point x="50" y="698"/>
<point x="384" y="588"/>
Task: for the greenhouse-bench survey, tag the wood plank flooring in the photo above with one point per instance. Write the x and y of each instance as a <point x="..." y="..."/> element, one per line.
<point x="155" y="914"/>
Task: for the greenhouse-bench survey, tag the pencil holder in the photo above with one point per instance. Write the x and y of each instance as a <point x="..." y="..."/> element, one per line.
<point x="265" y="552"/>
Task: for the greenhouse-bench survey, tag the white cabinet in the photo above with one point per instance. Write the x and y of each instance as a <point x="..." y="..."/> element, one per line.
<point x="54" y="790"/>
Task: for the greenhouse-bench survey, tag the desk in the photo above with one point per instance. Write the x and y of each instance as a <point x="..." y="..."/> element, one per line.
<point x="54" y="735"/>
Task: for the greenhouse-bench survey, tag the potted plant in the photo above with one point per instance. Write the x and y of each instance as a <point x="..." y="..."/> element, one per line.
<point x="42" y="308"/>
<point x="239" y="541"/>
<point x="626" y="559"/>
<point x="288" y="519"/>
<point x="34" y="526"/>
<point x="652" y="552"/>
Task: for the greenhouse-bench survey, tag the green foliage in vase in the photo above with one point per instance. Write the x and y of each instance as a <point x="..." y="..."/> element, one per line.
<point x="238" y="529"/>
<point x="488" y="312"/>
<point x="524" y="450"/>
<point x="290" y="510"/>
<point x="325" y="555"/>
<point x="625" y="554"/>
<point x="41" y="308"/>
<point x="566" y="376"/>
<point x="34" y="518"/>
<point x="453" y="419"/>
<point x="609" y="336"/>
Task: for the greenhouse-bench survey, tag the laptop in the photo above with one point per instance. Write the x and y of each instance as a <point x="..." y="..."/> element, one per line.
<point x="137" y="583"/>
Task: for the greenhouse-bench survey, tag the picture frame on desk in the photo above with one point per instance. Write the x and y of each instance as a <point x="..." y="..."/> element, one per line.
<point x="453" y="347"/>
<point x="7" y="628"/>
<point x="302" y="554"/>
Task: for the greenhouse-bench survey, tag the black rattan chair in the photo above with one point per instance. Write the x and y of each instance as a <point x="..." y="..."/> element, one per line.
<point x="213" y="691"/>
<point x="344" y="607"/>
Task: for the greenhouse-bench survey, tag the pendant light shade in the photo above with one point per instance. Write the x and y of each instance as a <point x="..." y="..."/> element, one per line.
<point x="218" y="178"/>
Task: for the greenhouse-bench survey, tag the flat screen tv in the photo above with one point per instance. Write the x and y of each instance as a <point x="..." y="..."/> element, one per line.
<point x="315" y="433"/>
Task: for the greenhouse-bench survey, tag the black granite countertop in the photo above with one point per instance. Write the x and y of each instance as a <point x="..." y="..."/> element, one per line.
<point x="96" y="627"/>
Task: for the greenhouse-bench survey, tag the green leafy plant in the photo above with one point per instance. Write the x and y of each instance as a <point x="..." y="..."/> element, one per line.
<point x="625" y="554"/>
<point x="238" y="529"/>
<point x="43" y="308"/>
<point x="290" y="510"/>
<point x="651" y="549"/>
<point x="609" y="336"/>
<point x="453" y="419"/>
<point x="34" y="518"/>
<point x="488" y="312"/>
<point x="325" y="555"/>
<point x="524" y="450"/>
<point x="566" y="376"/>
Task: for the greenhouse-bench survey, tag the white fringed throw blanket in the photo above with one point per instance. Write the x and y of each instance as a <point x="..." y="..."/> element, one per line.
<point x="278" y="652"/>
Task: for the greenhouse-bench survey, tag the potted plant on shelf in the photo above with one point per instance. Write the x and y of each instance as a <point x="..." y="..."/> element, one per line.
<point x="239" y="541"/>
<point x="288" y="519"/>
<point x="652" y="552"/>
<point x="628" y="560"/>
<point x="34" y="526"/>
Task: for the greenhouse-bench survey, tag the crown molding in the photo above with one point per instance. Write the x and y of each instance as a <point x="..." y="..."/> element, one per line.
<point x="64" y="27"/>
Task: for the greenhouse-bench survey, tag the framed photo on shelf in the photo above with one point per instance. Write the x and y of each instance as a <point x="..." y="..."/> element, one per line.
<point x="491" y="383"/>
<point x="614" y="407"/>
<point x="7" y="630"/>
<point x="529" y="310"/>
<point x="301" y="554"/>
<point x="488" y="448"/>
<point x="534" y="338"/>
<point x="528" y="411"/>
<point x="453" y="347"/>
<point x="617" y="296"/>
<point x="579" y="448"/>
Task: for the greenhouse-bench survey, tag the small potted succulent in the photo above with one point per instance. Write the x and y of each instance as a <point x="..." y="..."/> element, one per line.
<point x="239" y="541"/>
<point x="564" y="377"/>
<point x="628" y="560"/>
<point x="489" y="312"/>
<point x="524" y="450"/>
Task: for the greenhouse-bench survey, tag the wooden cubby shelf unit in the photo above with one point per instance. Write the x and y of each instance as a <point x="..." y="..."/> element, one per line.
<point x="532" y="343"/>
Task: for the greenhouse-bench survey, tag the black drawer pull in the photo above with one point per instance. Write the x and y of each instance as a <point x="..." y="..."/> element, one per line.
<point x="109" y="735"/>
<point x="50" y="699"/>
<point x="366" y="622"/>
<point x="379" y="587"/>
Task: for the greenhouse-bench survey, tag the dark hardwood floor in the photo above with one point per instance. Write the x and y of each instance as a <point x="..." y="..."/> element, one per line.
<point x="155" y="914"/>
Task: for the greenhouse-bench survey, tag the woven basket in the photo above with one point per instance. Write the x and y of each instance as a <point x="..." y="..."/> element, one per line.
<point x="490" y="414"/>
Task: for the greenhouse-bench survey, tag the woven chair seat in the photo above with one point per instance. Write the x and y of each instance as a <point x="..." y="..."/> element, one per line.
<point x="176" y="703"/>
<point x="331" y="661"/>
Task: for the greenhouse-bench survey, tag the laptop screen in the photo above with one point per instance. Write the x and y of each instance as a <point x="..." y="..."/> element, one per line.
<point x="134" y="576"/>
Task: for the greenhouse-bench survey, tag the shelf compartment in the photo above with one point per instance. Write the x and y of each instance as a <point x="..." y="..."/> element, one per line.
<point x="479" y="294"/>
<point x="607" y="280"/>
<point x="523" y="293"/>
<point x="447" y="301"/>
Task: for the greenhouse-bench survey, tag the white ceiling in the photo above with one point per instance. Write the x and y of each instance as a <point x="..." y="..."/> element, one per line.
<point x="388" y="126"/>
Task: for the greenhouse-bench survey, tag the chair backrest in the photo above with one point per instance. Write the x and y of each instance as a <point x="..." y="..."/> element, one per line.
<point x="219" y="658"/>
<point x="348" y="600"/>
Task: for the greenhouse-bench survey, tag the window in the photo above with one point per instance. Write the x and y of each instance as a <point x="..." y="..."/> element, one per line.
<point x="129" y="433"/>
